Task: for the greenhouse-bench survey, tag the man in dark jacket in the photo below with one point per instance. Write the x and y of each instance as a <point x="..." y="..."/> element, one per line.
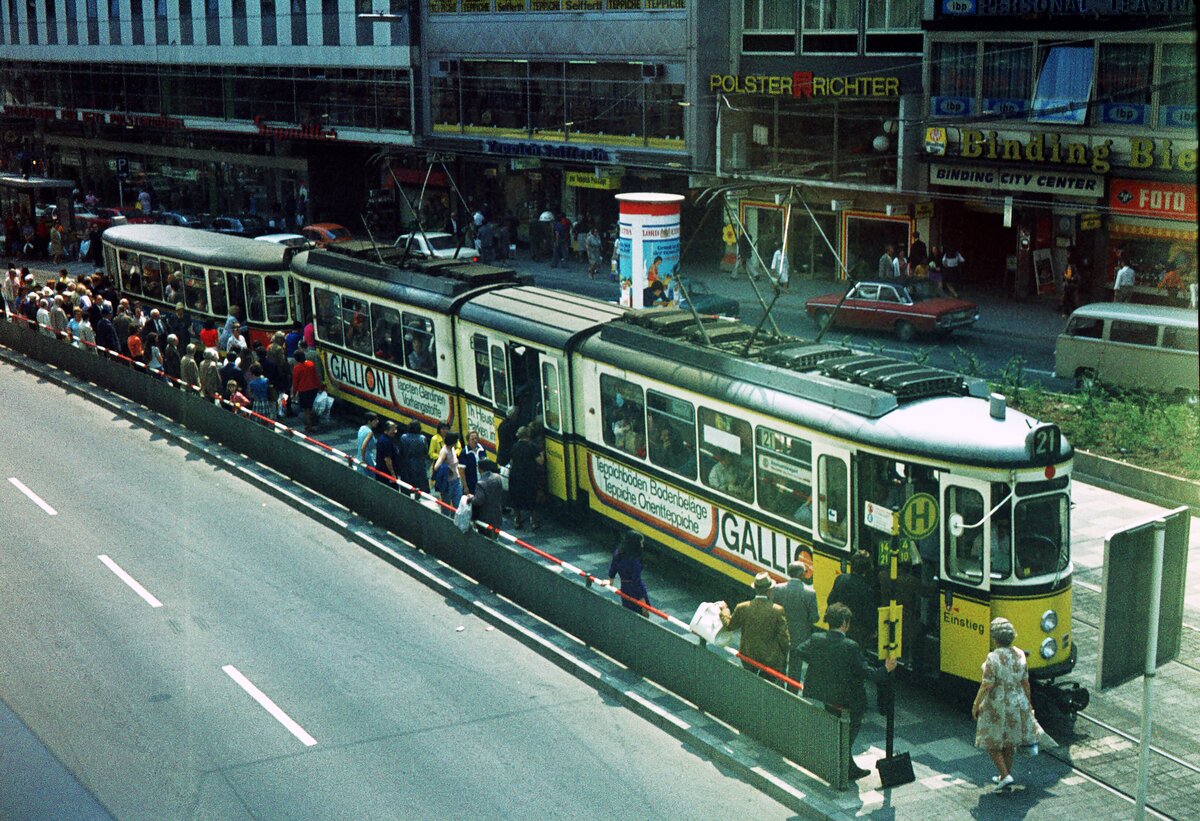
<point x="854" y="590"/>
<point x="799" y="603"/>
<point x="106" y="332"/>
<point x="180" y="324"/>
<point x="385" y="454"/>
<point x="414" y="457"/>
<point x="837" y="672"/>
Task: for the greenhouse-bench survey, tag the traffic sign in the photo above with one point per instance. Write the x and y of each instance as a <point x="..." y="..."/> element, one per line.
<point x="919" y="516"/>
<point x="123" y="168"/>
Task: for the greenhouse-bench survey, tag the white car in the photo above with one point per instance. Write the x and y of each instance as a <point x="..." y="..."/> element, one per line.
<point x="290" y="240"/>
<point x="440" y="245"/>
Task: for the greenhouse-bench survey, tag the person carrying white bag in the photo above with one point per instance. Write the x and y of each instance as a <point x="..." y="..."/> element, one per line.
<point x="706" y="623"/>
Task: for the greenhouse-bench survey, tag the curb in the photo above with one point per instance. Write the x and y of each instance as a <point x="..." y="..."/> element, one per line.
<point x="1143" y="484"/>
<point x="521" y="625"/>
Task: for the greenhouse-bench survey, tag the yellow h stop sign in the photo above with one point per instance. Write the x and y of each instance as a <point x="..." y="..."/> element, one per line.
<point x="919" y="516"/>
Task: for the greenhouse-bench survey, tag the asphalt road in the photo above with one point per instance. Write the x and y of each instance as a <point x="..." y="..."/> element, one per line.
<point x="388" y="701"/>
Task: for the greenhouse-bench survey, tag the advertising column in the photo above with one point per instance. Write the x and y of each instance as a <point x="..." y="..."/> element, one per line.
<point x="648" y="248"/>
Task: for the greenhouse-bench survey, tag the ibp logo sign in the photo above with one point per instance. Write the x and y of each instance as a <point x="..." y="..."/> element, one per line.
<point x="958" y="7"/>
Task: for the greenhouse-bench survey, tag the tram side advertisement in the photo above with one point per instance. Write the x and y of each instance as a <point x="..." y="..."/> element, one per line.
<point x="733" y="541"/>
<point x="385" y="390"/>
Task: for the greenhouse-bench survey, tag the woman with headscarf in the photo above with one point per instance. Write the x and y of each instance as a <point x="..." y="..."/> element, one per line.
<point x="1002" y="706"/>
<point x="523" y="470"/>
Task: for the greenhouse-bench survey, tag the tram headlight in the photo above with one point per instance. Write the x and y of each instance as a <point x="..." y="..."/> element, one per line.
<point x="1049" y="648"/>
<point x="1049" y="621"/>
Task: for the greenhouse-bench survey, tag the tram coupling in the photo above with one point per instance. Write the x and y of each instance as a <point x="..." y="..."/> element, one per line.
<point x="1066" y="697"/>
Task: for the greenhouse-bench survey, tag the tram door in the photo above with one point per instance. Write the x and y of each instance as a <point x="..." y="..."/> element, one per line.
<point x="302" y="307"/>
<point x="552" y="417"/>
<point x="833" y="528"/>
<point x="965" y="611"/>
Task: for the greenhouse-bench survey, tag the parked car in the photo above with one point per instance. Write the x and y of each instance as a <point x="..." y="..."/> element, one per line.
<point x="436" y="244"/>
<point x="289" y="240"/>
<point x="182" y="219"/>
<point x="706" y="302"/>
<point x="136" y="216"/>
<point x="326" y="233"/>
<point x="102" y="218"/>
<point x="1145" y="347"/>
<point x="245" y="225"/>
<point x="906" y="307"/>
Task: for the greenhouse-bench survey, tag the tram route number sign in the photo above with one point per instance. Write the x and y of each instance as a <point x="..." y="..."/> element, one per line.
<point x="1043" y="443"/>
<point x="919" y="516"/>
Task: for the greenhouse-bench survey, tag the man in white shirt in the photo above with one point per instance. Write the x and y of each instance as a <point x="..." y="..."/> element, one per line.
<point x="1123" y="284"/>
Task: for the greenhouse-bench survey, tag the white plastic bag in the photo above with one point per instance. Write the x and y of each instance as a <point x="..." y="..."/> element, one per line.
<point x="322" y="405"/>
<point x="462" y="516"/>
<point x="706" y="623"/>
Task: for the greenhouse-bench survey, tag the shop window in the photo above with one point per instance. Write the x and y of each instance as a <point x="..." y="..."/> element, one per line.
<point x="1180" y="339"/>
<point x="277" y="300"/>
<point x="726" y="454"/>
<point x="500" y="376"/>
<point x="551" y="397"/>
<point x="328" y="324"/>
<point x="131" y="277"/>
<point x="866" y="239"/>
<point x="547" y="106"/>
<point x="1084" y="326"/>
<point x="1133" y="333"/>
<point x="622" y="415"/>
<point x="784" y="471"/>
<point x="356" y="325"/>
<point x="1123" y="86"/>
<point x="672" y="440"/>
<point x="216" y="291"/>
<point x="608" y="99"/>
<point x="152" y="277"/>
<point x="964" y="553"/>
<point x="270" y="34"/>
<point x="1007" y="78"/>
<point x="483" y="366"/>
<point x="386" y="333"/>
<point x="833" y="501"/>
<point x="952" y="79"/>
<point x="255" y="307"/>
<point x="494" y="95"/>
<point x="1064" y="85"/>
<point x="1177" y="86"/>
<point x="420" y="347"/>
<point x="195" y="292"/>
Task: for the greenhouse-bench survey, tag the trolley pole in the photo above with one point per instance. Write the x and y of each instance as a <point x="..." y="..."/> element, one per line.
<point x="1160" y="532"/>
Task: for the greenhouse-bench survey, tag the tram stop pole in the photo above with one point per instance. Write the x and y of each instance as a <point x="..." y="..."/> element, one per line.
<point x="894" y="770"/>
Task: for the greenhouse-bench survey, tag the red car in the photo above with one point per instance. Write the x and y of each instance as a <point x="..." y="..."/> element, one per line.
<point x="326" y="233"/>
<point x="905" y="306"/>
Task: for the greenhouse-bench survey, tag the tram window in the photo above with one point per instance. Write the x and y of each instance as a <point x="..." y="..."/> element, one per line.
<point x="255" y="310"/>
<point x="784" y="475"/>
<point x="964" y="553"/>
<point x="195" y="292"/>
<point x="419" y="352"/>
<point x="356" y="325"/>
<point x="151" y="277"/>
<point x="500" y="375"/>
<point x="726" y="454"/>
<point x="1000" y="526"/>
<point x="385" y="333"/>
<point x="1042" y="541"/>
<point x="622" y="415"/>
<point x="131" y="276"/>
<point x="277" y="301"/>
<point x="172" y="274"/>
<point x="672" y="425"/>
<point x="216" y="289"/>
<point x="329" y="316"/>
<point x="550" y="397"/>
<point x="483" y="366"/>
<point x="110" y="263"/>
<point x="235" y="286"/>
<point x="833" y="500"/>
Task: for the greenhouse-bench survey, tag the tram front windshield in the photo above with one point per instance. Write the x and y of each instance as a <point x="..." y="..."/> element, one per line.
<point x="1041" y="535"/>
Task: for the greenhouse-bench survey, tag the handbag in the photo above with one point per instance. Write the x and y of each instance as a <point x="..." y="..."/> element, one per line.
<point x="706" y="623"/>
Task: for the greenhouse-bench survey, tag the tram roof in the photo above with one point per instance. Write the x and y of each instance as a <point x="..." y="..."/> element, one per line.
<point x="541" y="315"/>
<point x="437" y="286"/>
<point x="201" y="247"/>
<point x="868" y="399"/>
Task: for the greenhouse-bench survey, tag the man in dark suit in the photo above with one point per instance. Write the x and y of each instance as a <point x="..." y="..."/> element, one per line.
<point x="799" y="603"/>
<point x="488" y="499"/>
<point x="837" y="672"/>
<point x="764" y="629"/>
<point x="854" y="590"/>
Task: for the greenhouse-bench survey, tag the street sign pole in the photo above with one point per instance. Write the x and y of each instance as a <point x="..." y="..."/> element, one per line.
<point x="1160" y="532"/>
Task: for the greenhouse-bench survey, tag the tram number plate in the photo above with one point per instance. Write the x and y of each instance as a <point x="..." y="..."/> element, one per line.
<point x="1043" y="444"/>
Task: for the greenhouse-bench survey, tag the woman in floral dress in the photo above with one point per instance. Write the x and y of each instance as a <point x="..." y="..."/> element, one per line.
<point x="1002" y="706"/>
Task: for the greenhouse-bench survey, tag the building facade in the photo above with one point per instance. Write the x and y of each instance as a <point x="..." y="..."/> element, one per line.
<point x="1053" y="127"/>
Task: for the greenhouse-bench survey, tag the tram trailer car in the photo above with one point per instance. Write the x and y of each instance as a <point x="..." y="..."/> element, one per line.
<point x="163" y="265"/>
